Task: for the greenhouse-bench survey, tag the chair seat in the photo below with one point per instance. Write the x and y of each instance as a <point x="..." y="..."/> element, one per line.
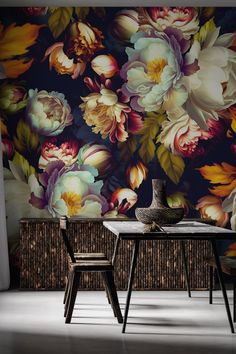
<point x="91" y="265"/>
<point x="85" y="255"/>
<point x="228" y="264"/>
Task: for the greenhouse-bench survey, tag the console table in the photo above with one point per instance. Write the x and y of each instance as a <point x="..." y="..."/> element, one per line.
<point x="43" y="262"/>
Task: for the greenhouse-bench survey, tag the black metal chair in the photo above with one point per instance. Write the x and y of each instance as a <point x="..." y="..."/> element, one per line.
<point x="228" y="265"/>
<point x="87" y="262"/>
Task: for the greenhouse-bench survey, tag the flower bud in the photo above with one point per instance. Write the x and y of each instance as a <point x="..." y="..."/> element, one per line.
<point x="13" y="97"/>
<point x="210" y="206"/>
<point x="61" y="63"/>
<point x="123" y="199"/>
<point x="125" y="24"/>
<point x="105" y="65"/>
<point x="136" y="174"/>
<point x="98" y="156"/>
<point x="178" y="200"/>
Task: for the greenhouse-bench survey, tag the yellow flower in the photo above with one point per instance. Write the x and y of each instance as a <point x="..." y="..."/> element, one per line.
<point x="136" y="174"/>
<point x="210" y="206"/>
<point x="107" y="115"/>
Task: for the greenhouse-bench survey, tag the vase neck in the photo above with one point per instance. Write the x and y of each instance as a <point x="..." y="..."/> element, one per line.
<point x="159" y="194"/>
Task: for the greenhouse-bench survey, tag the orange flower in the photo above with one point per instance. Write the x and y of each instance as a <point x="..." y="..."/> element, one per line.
<point x="61" y="63"/>
<point x="15" y="41"/>
<point x="224" y="174"/>
<point x="136" y="174"/>
<point x="210" y="206"/>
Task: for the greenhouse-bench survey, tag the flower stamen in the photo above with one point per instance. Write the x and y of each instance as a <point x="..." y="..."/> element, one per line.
<point x="155" y="68"/>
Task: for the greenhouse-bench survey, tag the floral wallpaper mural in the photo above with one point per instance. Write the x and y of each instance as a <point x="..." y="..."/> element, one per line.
<point x="95" y="102"/>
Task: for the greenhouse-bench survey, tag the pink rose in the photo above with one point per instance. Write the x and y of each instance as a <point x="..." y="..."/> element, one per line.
<point x="66" y="152"/>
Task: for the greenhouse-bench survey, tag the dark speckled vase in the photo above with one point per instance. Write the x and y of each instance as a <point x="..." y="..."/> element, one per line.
<point x="159" y="211"/>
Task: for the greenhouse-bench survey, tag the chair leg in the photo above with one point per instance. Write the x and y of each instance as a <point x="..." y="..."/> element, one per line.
<point x="211" y="273"/>
<point x="73" y="293"/>
<point x="106" y="285"/>
<point x="107" y="294"/>
<point x="113" y="295"/>
<point x="69" y="287"/>
<point x="66" y="289"/>
<point x="234" y="300"/>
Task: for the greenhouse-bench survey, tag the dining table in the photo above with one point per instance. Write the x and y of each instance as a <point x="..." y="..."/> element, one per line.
<point x="185" y="230"/>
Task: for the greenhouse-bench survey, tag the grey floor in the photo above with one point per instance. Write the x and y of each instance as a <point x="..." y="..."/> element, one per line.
<point x="159" y="322"/>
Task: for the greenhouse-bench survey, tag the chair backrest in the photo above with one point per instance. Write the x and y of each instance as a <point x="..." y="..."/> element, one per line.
<point x="64" y="223"/>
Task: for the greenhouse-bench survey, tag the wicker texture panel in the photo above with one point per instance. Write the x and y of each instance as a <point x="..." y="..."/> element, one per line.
<point x="44" y="262"/>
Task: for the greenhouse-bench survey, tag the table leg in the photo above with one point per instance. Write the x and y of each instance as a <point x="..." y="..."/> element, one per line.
<point x="130" y="281"/>
<point x="222" y="285"/>
<point x="186" y="273"/>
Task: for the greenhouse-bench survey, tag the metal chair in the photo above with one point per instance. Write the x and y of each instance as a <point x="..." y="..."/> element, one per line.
<point x="87" y="262"/>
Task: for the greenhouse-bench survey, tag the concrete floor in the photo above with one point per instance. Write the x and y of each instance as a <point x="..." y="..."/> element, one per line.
<point x="160" y="322"/>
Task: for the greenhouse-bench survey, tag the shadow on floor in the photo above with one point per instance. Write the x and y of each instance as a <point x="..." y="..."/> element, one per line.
<point x="26" y="343"/>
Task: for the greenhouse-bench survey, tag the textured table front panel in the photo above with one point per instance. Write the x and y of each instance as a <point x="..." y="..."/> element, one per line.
<point x="44" y="263"/>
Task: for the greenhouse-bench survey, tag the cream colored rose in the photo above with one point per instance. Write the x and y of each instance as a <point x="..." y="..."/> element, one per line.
<point x="48" y="113"/>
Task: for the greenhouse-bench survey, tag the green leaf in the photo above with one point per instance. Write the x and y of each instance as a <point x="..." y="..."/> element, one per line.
<point x="25" y="139"/>
<point x="128" y="147"/>
<point x="21" y="168"/>
<point x="202" y="34"/>
<point x="81" y="12"/>
<point x="151" y="126"/>
<point x="173" y="165"/>
<point x="59" y="20"/>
